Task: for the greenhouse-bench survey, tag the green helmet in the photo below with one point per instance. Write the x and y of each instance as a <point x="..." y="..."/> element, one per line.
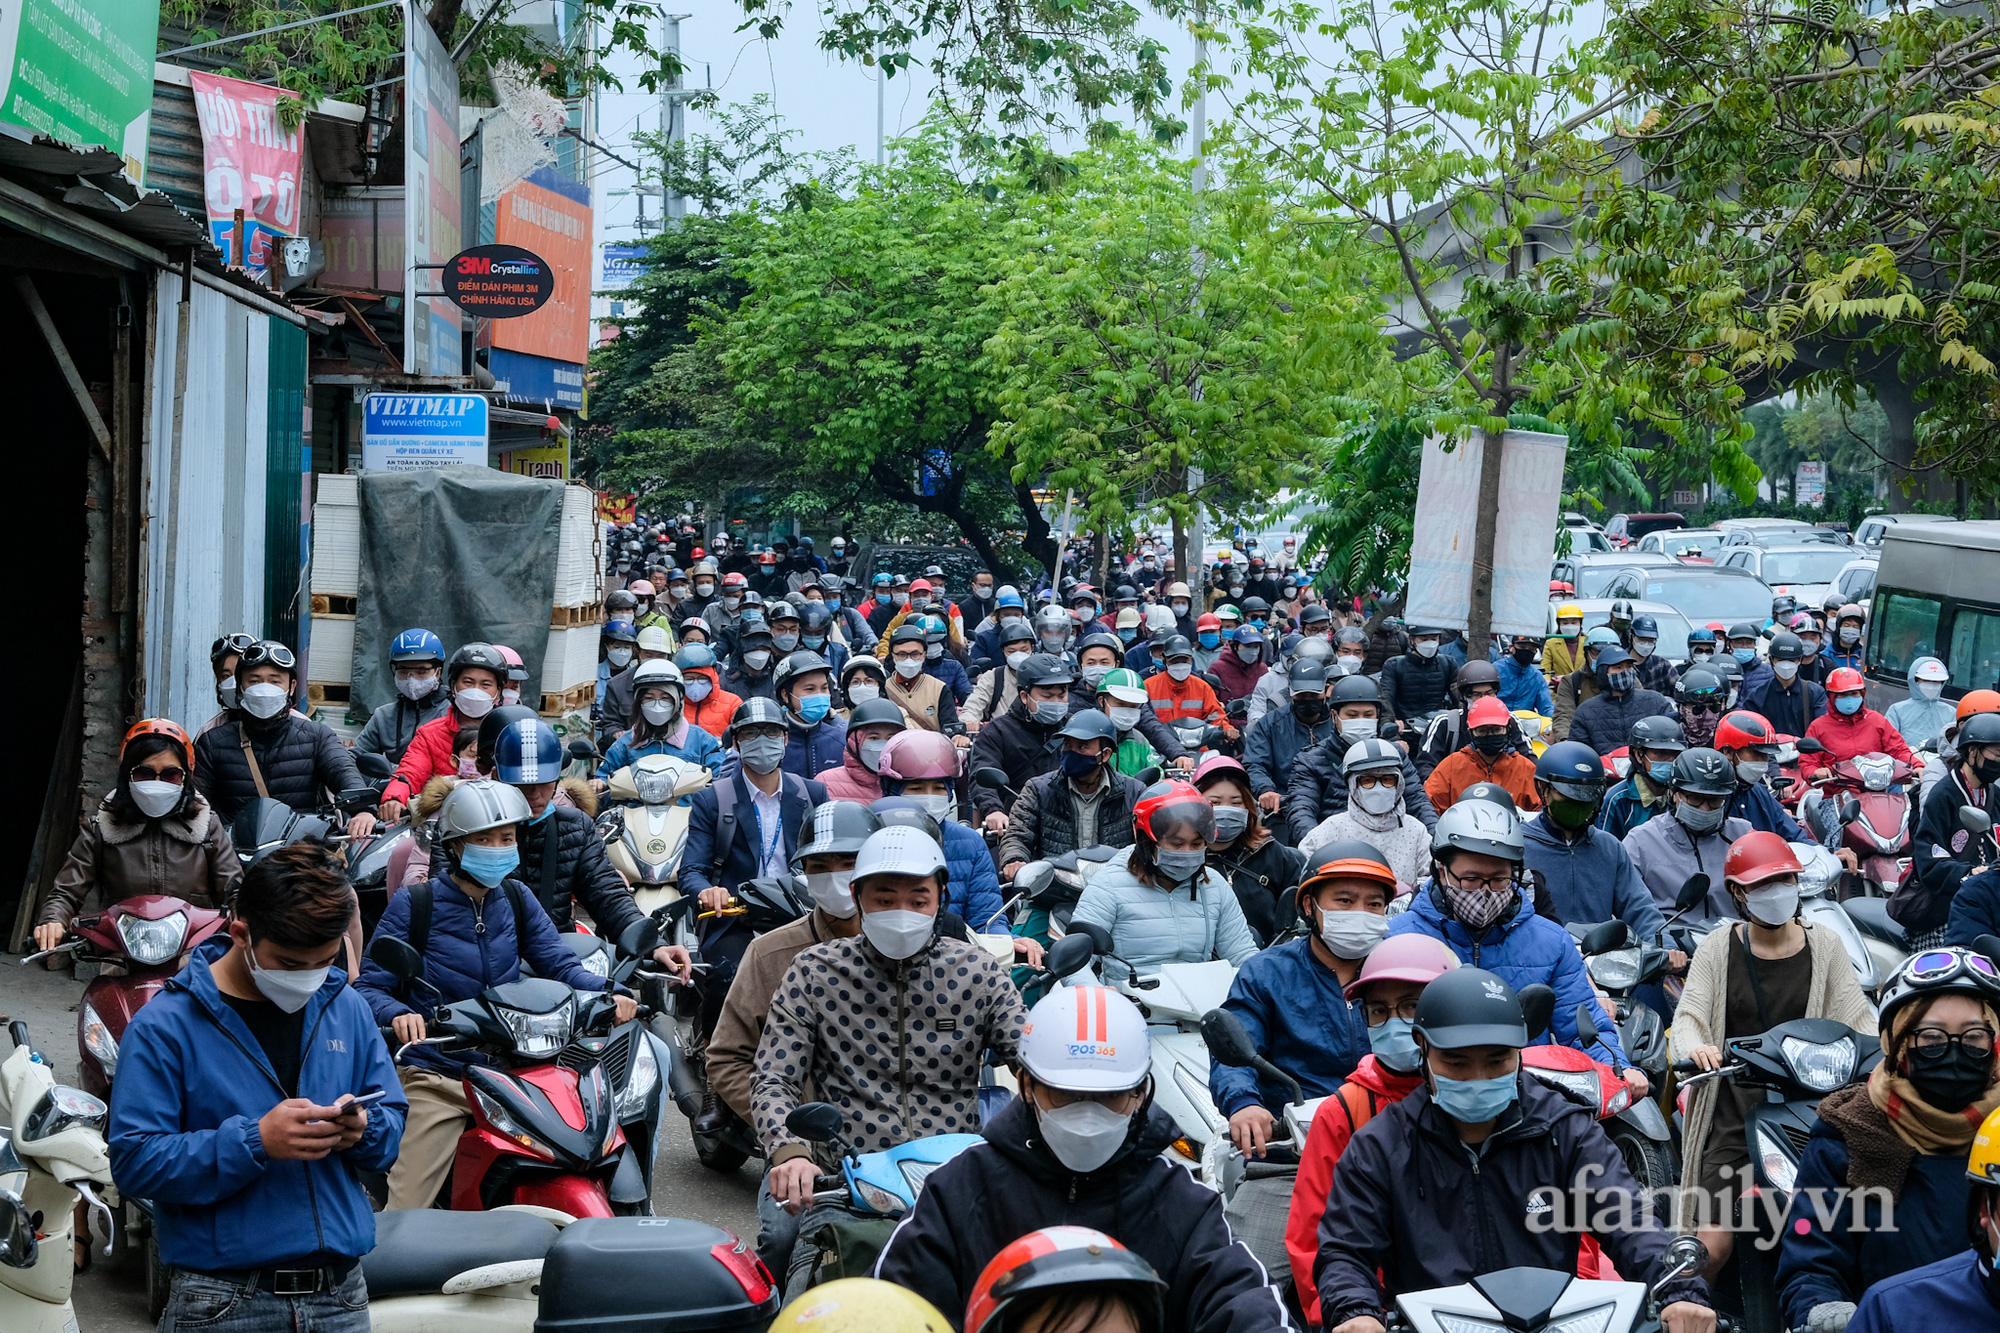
<point x="1124" y="685"/>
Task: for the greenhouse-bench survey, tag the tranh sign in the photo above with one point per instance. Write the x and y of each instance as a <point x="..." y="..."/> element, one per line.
<point x="498" y="281"/>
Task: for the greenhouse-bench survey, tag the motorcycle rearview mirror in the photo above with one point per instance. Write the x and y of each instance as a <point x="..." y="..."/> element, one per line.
<point x="1230" y="1044"/>
<point x="396" y="957"/>
<point x="816" y="1122"/>
<point x="639" y="939"/>
<point x="1850" y="810"/>
<point x="990" y="777"/>
<point x="1606" y="936"/>
<point x="356" y="799"/>
<point x="1806" y="745"/>
<point x="1975" y="819"/>
<point x="1150" y="774"/>
<point x="581" y="750"/>
<point x="1099" y="937"/>
<point x="1538" y="1006"/>
<point x="1586" y="1026"/>
<point x="372" y="765"/>
<point x="1032" y="878"/>
<point x="1693" y="890"/>
<point x="1069" y="956"/>
<point x="18" y="1248"/>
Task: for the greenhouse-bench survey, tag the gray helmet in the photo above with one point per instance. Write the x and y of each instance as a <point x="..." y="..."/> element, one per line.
<point x="1352" y="636"/>
<point x="1308" y="674"/>
<point x="1176" y="646"/>
<point x="478" y="804"/>
<point x="619" y="600"/>
<point x="1312" y="650"/>
<point x="878" y="713"/>
<point x="1044" y="669"/>
<point x="1016" y="630"/>
<point x="777" y="611"/>
<point x="1052" y="618"/>
<point x="1703" y="772"/>
<point x="755" y="711"/>
<point x="1480" y="827"/>
<point x="834" y="826"/>
<point x="1372" y="756"/>
<point x="1658" y="733"/>
<point x="801" y="663"/>
<point x="1087" y="724"/>
<point x="1355" y="689"/>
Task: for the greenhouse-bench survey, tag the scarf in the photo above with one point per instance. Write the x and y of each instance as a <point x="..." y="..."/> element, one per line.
<point x="1926" y="1128"/>
<point x="1698" y="733"/>
<point x="1384" y="823"/>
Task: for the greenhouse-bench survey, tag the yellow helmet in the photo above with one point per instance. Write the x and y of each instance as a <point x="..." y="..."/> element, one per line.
<point x="1569" y="611"/>
<point x="1983" y="1166"/>
<point x="860" y="1305"/>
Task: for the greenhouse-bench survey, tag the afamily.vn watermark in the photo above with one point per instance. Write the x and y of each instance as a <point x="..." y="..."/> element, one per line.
<point x="1607" y="1209"/>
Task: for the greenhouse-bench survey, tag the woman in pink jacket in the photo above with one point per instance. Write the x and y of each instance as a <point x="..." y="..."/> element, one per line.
<point x="869" y="728"/>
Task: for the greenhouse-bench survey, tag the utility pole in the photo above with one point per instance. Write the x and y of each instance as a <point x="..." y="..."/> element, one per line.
<point x="881" y="79"/>
<point x="1190" y="559"/>
<point x="673" y="115"/>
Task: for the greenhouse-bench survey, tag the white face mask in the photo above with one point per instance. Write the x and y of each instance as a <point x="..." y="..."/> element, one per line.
<point x="909" y="668"/>
<point x="1354" y="730"/>
<point x="1124" y="718"/>
<point x="731" y="603"/>
<point x="1424" y="647"/>
<point x="898" y="934"/>
<point x="1348" y="664"/>
<point x="1928" y="689"/>
<point x="1772" y="904"/>
<point x="1784" y="670"/>
<point x="1377" y="800"/>
<point x="1015" y="659"/>
<point x="225" y="692"/>
<point x="1179" y="670"/>
<point x="472" y="703"/>
<point x="288" y="990"/>
<point x="1084" y="1135"/>
<point x="620" y="658"/>
<point x="861" y="691"/>
<point x="265" y="701"/>
<point x="659" y="712"/>
<point x="1644" y="647"/>
<point x="1352" y="934"/>
<point x="704" y="590"/>
<point x="414" y="688"/>
<point x="935" y="804"/>
<point x="832" y="892"/>
<point x="510" y="697"/>
<point x="899" y="599"/>
<point x="1180" y="608"/>
<point x="757" y="659"/>
<point x="155" y="798"/>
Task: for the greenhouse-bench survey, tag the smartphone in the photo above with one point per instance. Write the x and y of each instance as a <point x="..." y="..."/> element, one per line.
<point x="366" y="1099"/>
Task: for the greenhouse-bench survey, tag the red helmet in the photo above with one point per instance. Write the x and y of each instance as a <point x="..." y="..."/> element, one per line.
<point x="733" y="580"/>
<point x="1757" y="856"/>
<point x="1167" y="805"/>
<point x="1488" y="712"/>
<point x="1053" y="1258"/>
<point x="1844" y="680"/>
<point x="160" y="726"/>
<point x="1744" y="728"/>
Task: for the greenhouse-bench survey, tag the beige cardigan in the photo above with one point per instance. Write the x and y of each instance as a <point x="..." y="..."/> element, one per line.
<point x="1833" y="993"/>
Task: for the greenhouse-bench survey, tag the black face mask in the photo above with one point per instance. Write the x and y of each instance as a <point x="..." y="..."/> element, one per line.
<point x="1986" y="769"/>
<point x="1525" y="656"/>
<point x="1490" y="745"/>
<point x="1311" y="709"/>
<point x="1952" y="1080"/>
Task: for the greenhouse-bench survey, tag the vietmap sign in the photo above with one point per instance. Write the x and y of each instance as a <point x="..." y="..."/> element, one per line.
<point x="401" y="432"/>
<point x="81" y="73"/>
<point x="498" y="281"/>
<point x="249" y="161"/>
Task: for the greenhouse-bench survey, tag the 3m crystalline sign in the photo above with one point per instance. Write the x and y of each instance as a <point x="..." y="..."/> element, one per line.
<point x="404" y="431"/>
<point x="498" y="281"/>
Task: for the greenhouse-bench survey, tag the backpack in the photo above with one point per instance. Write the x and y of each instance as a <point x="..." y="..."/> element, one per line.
<point x="421" y="904"/>
<point x="725" y="817"/>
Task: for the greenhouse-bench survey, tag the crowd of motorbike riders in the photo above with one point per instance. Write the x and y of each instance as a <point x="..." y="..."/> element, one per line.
<point x="1403" y="845"/>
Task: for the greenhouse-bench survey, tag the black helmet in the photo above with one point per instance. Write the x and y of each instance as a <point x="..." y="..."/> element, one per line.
<point x="1490" y="791"/>
<point x="619" y="600"/>
<point x="1355" y="689"/>
<point x="483" y="656"/>
<point x="1621" y="610"/>
<point x="1126" y="593"/>
<point x="1783" y="605"/>
<point x="1573" y="770"/>
<point x="755" y="711"/>
<point x="496" y="722"/>
<point x="1101" y="640"/>
<point x="1088" y="724"/>
<point x="1016" y="630"/>
<point x="1979" y="729"/>
<point x="1176" y="646"/>
<point x="1743" y="629"/>
<point x="877" y="713"/>
<point x="1645" y="627"/>
<point x="1468" y="1006"/>
<point x="814" y="618"/>
<point x="1308" y="673"/>
<point x="1701" y="685"/>
<point x="1315" y="614"/>
<point x="1253" y="605"/>
<point x="1044" y="669"/>
<point x="834" y="826"/>
<point x="1657" y="733"/>
<point x="1476" y="672"/>
<point x="1703" y="772"/>
<point x="801" y="663"/>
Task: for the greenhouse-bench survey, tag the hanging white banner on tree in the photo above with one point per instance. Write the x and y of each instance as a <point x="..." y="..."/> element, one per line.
<point x="1531" y="475"/>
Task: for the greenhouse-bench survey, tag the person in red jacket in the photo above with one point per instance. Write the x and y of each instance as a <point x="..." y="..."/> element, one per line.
<point x="475" y="675"/>
<point x="1850" y="727"/>
<point x="708" y="705"/>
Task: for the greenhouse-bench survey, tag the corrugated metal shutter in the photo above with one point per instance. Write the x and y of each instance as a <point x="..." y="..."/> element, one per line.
<point x="173" y="149"/>
<point x="284" y="487"/>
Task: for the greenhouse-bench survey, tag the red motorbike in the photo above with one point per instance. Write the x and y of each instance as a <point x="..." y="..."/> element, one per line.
<point x="142" y="942"/>
<point x="1874" y="810"/>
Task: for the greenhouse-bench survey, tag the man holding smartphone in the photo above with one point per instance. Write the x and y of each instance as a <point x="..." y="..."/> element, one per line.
<point x="235" y="1112"/>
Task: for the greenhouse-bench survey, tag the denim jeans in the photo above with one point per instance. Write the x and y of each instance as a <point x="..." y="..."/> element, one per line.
<point x="198" y="1303"/>
<point x="777" y="1231"/>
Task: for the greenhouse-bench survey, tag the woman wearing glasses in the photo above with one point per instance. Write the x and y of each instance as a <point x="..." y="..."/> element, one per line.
<point x="154" y="833"/>
<point x="1882" y="1187"/>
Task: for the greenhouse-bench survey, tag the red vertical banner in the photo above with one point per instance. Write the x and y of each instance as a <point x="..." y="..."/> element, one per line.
<point x="249" y="161"/>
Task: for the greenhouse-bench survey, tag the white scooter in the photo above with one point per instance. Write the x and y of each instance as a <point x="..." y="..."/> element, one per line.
<point x="1542" y="1300"/>
<point x="52" y="1154"/>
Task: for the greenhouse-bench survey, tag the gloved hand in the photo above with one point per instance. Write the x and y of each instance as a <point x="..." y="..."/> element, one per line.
<point x="1830" y="1317"/>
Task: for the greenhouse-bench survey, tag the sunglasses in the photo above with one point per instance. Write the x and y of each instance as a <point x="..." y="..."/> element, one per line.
<point x="1706" y="710"/>
<point x="141" y="773"/>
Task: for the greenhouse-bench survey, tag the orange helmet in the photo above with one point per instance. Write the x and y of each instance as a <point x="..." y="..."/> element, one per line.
<point x="1757" y="856"/>
<point x="1844" y="680"/>
<point x="1048" y="1260"/>
<point x="1978" y="701"/>
<point x="160" y="726"/>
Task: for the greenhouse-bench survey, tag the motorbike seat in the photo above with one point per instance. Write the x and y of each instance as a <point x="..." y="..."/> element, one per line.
<point x="418" y="1250"/>
<point x="1871" y="917"/>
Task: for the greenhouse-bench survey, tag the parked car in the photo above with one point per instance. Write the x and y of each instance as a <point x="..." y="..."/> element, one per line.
<point x="1806" y="570"/>
<point x="1674" y="627"/>
<point x="1876" y="526"/>
<point x="1776" y="532"/>
<point x="1589" y="573"/>
<point x="1704" y="594"/>
<point x="1677" y="542"/>
<point x="1625" y="529"/>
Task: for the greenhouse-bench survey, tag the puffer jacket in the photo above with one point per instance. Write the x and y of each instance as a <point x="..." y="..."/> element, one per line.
<point x="1605" y="723"/>
<point x="1866" y="732"/>
<point x="1413" y="686"/>
<point x="429" y="756"/>
<point x="973" y="890"/>
<point x="712" y="714"/>
<point x="1318" y="788"/>
<point x="1043" y="822"/>
<point x="394" y="725"/>
<point x="850" y="780"/>
<point x="1018" y="746"/>
<point x="831" y="1027"/>
<point x="1238" y="678"/>
<point x="1468" y="766"/>
<point x="808" y="749"/>
<point x="580" y="870"/>
<point x="686" y="741"/>
<point x="998" y="1191"/>
<point x="1274" y="743"/>
<point x="299" y="758"/>
<point x="186" y="855"/>
<point x="1522" y="950"/>
<point x="1151" y="926"/>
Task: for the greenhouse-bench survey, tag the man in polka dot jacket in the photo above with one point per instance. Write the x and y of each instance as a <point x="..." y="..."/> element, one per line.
<point x="891" y="1026"/>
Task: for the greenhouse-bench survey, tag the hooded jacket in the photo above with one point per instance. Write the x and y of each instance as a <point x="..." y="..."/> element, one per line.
<point x="1239" y="678"/>
<point x="714" y="713"/>
<point x="1524" y="686"/>
<point x="1866" y="732"/>
<point x="1630" y="804"/>
<point x="1413" y="686"/>
<point x="193" y="1082"/>
<point x="1405" y="1204"/>
<point x="1360" y="1097"/>
<point x="394" y="725"/>
<point x="1275" y="741"/>
<point x="1318" y="788"/>
<point x="686" y="741"/>
<point x="1605" y="723"/>
<point x="1149" y="926"/>
<point x="1043" y="822"/>
<point x="186" y="855"/>
<point x="1957" y="1294"/>
<point x="1400" y="836"/>
<point x="1290" y="1002"/>
<point x="998" y="1191"/>
<point x="299" y="758"/>
<point x="1665" y="853"/>
<point x="1590" y="879"/>
<point x="1921" y="721"/>
<point x="1944" y="854"/>
<point x="429" y="756"/>
<point x="1521" y="950"/>
<point x="1017" y="745"/>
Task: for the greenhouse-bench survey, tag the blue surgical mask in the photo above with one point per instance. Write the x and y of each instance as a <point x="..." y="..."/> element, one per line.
<point x="1128" y="635"/>
<point x="1745" y="656"/>
<point x="488" y="865"/>
<point x="1210" y="640"/>
<point x="1660" y="770"/>
<point x="1474" y="1101"/>
<point x="1848" y="704"/>
<point x="833" y="603"/>
<point x="1394" y="1045"/>
<point x="813" y="708"/>
<point x="814" y="641"/>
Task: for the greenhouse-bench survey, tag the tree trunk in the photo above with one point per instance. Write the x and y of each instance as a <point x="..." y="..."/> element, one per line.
<point x="1182" y="559"/>
<point x="1039" y="541"/>
<point x="443" y="17"/>
<point x="950" y="501"/>
<point x="1479" y="616"/>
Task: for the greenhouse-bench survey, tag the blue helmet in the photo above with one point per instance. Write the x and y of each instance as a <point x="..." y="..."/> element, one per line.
<point x="620" y="631"/>
<point x="1701" y="634"/>
<point x="1645" y="627"/>
<point x="417" y="645"/>
<point x="527" y="753"/>
<point x="693" y="656"/>
<point x="1009" y="597"/>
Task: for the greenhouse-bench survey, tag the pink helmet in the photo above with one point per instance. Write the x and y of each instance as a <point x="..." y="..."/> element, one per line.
<point x="516" y="668"/>
<point x="1412" y="957"/>
<point x="914" y="754"/>
<point x="641" y="588"/>
<point x="1218" y="763"/>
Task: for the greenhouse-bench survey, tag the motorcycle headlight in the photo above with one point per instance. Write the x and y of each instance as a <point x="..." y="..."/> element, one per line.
<point x="1459" y="1323"/>
<point x="1820" y="1066"/>
<point x="1775" y="1155"/>
<point x="597" y="964"/>
<point x="916" y="1173"/>
<point x="655" y="787"/>
<point x="1875" y="773"/>
<point x="505" y="1124"/>
<point x="97" y="1039"/>
<point x="540" y="1034"/>
<point x="878" y="1198"/>
<point x="1579" y="1085"/>
<point x="153" y="942"/>
<point x="641" y="1080"/>
<point x="1617" y="970"/>
<point x="1594" y="1320"/>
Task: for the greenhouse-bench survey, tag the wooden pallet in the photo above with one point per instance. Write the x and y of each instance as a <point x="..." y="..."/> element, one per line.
<point x="321" y="695"/>
<point x="333" y="604"/>
<point x="570" y="617"/>
<point x="574" y="700"/>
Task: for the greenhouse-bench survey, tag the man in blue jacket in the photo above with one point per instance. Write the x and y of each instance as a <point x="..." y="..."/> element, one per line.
<point x="1283" y="734"/>
<point x="233" y="1111"/>
<point x="1584" y="869"/>
<point x="1475" y="903"/>
<point x="817" y="736"/>
<point x="1291" y="998"/>
<point x="1522" y="684"/>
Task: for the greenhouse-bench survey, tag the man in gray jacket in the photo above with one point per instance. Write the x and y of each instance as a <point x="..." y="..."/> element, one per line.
<point x="1604" y="720"/>
<point x="1693" y="837"/>
<point x="416" y="656"/>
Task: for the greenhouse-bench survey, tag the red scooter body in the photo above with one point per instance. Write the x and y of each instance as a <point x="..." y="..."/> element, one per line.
<point x="1879" y="835"/>
<point x="149" y="951"/>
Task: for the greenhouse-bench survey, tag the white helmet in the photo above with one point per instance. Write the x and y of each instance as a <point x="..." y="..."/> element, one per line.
<point x="478" y="804"/>
<point x="1086" y="1039"/>
<point x="1928" y="668"/>
<point x="898" y="850"/>
<point x="657" y="671"/>
<point x="1372" y="755"/>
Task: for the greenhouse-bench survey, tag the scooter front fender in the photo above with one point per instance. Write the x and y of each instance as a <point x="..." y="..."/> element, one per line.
<point x="579" y="1196"/>
<point x="1644" y="1115"/>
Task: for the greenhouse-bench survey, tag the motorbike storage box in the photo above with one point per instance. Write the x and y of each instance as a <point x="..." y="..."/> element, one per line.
<point x="652" y="1275"/>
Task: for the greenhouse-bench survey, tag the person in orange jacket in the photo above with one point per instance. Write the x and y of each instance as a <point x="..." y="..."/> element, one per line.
<point x="708" y="705"/>
<point x="1178" y="695"/>
<point x="1487" y="758"/>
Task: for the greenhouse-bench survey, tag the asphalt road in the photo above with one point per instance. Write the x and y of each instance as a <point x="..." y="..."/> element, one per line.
<point x="113" y="1300"/>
